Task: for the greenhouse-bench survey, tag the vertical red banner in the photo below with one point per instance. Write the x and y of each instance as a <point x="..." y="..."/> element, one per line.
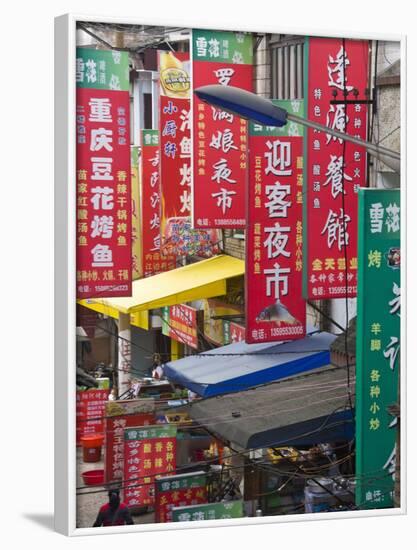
<point x="104" y="255"/>
<point x="177" y="236"/>
<point x="148" y="452"/>
<point x="183" y="490"/>
<point x="118" y="416"/>
<point x="334" y="66"/>
<point x="90" y="407"/>
<point x="220" y="139"/>
<point x="275" y="308"/>
<point x="152" y="260"/>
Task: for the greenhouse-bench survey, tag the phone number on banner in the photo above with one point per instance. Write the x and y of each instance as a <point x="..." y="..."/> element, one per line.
<point x="342" y="289"/>
<point x="287" y="330"/>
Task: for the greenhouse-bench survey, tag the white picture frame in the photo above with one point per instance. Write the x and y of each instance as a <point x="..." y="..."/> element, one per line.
<point x="65" y="320"/>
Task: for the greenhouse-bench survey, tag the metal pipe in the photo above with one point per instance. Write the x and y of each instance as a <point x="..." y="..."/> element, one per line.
<point x="371" y="147"/>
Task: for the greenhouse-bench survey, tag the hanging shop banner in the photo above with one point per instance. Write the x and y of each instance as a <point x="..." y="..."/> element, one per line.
<point x="214" y="510"/>
<point x="90" y="406"/>
<point x="118" y="416"/>
<point x="330" y="220"/>
<point x="137" y="266"/>
<point x="275" y="308"/>
<point x="233" y="332"/>
<point x="102" y="69"/>
<point x="181" y="323"/>
<point x="214" y="325"/>
<point x="378" y="345"/>
<point x="183" y="490"/>
<point x="220" y="139"/>
<point x="152" y="259"/>
<point x="148" y="452"/>
<point x="177" y="236"/>
<point x="104" y="224"/>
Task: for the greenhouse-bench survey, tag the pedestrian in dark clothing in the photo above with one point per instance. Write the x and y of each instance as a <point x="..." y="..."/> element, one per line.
<point x="114" y="512"/>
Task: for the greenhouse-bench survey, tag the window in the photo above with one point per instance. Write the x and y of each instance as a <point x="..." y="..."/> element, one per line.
<point x="287" y="66"/>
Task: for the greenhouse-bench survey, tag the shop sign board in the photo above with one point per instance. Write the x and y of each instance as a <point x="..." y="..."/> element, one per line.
<point x="181" y="322"/>
<point x="152" y="260"/>
<point x="378" y="345"/>
<point x="214" y="510"/>
<point x="102" y="69"/>
<point x="90" y="405"/>
<point x="183" y="490"/>
<point x="120" y="415"/>
<point x="275" y="308"/>
<point x="333" y="169"/>
<point x="233" y="332"/>
<point x="220" y="139"/>
<point x="149" y="451"/>
<point x="177" y="236"/>
<point x="103" y="174"/>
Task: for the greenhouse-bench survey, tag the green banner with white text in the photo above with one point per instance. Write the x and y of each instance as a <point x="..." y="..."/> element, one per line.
<point x="378" y="346"/>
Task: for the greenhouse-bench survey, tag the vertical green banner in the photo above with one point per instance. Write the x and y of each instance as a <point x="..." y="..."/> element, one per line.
<point x="222" y="46"/>
<point x="102" y="69"/>
<point x="378" y="345"/>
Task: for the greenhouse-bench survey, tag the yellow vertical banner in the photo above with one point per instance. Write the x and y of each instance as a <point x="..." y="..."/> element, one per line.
<point x="137" y="268"/>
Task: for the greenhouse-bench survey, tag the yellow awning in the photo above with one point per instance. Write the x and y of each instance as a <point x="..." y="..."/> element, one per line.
<point x="204" y="279"/>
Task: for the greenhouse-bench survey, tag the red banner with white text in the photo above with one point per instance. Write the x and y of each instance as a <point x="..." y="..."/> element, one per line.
<point x="337" y="71"/>
<point x="153" y="261"/>
<point x="104" y="211"/>
<point x="220" y="143"/>
<point x="275" y="308"/>
<point x="177" y="236"/>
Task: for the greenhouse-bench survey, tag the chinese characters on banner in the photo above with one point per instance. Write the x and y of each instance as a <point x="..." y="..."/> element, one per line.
<point x="118" y="416"/>
<point x="328" y="227"/>
<point x="148" y="452"/>
<point x="104" y="225"/>
<point x="90" y="411"/>
<point x="275" y="308"/>
<point x="137" y="267"/>
<point x="378" y="345"/>
<point x="233" y="332"/>
<point x="152" y="260"/>
<point x="214" y="510"/>
<point x="180" y="322"/>
<point x="177" y="237"/>
<point x="182" y="490"/>
<point x="220" y="139"/>
<point x="102" y="69"/>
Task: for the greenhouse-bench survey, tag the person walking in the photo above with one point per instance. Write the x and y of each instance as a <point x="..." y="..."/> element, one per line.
<point x="113" y="512"/>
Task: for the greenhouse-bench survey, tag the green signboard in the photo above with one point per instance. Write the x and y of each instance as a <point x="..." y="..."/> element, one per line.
<point x="183" y="481"/>
<point x="150" y="137"/>
<point x="378" y="345"/>
<point x="293" y="107"/>
<point x="222" y="46"/>
<point x="102" y="69"/>
<point x="214" y="510"/>
<point x="150" y="432"/>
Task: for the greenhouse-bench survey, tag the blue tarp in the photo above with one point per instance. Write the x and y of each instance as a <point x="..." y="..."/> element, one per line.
<point x="240" y="366"/>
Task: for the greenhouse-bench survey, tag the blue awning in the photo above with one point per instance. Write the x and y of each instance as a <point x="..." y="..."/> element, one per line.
<point x="240" y="366"/>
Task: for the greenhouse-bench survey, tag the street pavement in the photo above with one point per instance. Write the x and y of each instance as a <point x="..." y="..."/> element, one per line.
<point x="89" y="503"/>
